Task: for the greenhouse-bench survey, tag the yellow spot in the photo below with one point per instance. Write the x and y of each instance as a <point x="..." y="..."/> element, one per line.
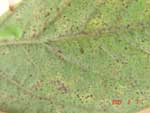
<point x="96" y="22"/>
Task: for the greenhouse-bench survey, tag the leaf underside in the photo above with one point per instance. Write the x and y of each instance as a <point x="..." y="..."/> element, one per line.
<point x="75" y="56"/>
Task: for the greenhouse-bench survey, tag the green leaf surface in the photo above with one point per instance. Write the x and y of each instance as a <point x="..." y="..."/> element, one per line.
<point x="75" y="56"/>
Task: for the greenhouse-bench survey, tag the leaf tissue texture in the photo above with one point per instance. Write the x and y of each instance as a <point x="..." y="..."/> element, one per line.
<point x="75" y="56"/>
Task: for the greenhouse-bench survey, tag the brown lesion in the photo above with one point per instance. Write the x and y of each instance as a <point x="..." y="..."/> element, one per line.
<point x="145" y="111"/>
<point x="39" y="84"/>
<point x="60" y="86"/>
<point x="2" y="112"/>
<point x="12" y="8"/>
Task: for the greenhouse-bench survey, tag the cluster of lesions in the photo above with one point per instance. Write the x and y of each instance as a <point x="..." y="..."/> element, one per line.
<point x="42" y="18"/>
<point x="131" y="88"/>
<point x="85" y="96"/>
<point x="98" y="24"/>
<point x="83" y="100"/>
<point x="98" y="103"/>
<point x="40" y="26"/>
<point x="37" y="22"/>
<point x="60" y="85"/>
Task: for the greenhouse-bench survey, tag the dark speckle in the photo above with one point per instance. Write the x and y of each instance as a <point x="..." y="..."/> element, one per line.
<point x="82" y="50"/>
